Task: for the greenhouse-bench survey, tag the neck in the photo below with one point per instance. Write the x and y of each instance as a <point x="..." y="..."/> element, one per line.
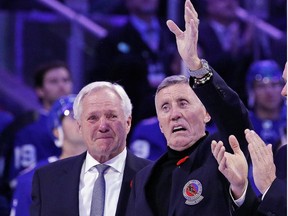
<point x="145" y="17"/>
<point x="72" y="149"/>
<point x="46" y="105"/>
<point x="271" y="114"/>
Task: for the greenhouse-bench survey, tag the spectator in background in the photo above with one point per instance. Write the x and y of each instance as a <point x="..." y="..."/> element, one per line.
<point x="32" y="142"/>
<point x="226" y="42"/>
<point x="142" y="49"/>
<point x="271" y="11"/>
<point x="118" y="7"/>
<point x="268" y="110"/>
<point x="103" y="112"/>
<point x="64" y="129"/>
<point x="107" y="6"/>
<point x="5" y="119"/>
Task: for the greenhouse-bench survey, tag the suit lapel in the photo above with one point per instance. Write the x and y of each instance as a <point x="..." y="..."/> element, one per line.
<point x="69" y="181"/>
<point x="129" y="173"/>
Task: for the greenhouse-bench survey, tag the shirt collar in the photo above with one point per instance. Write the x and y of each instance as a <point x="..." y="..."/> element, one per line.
<point x="117" y="163"/>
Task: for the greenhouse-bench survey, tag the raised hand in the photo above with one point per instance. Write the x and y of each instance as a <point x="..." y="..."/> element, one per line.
<point x="264" y="170"/>
<point x="233" y="166"/>
<point x="187" y="40"/>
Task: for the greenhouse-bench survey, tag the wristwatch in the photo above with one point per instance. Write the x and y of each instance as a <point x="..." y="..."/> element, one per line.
<point x="204" y="70"/>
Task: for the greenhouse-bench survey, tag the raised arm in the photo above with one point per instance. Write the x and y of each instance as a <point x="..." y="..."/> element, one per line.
<point x="222" y="103"/>
<point x="187" y="40"/>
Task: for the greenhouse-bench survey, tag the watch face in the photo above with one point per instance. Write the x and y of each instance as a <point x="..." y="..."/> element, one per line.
<point x="205" y="64"/>
<point x="202" y="71"/>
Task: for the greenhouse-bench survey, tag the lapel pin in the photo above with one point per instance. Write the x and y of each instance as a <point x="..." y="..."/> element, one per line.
<point x="192" y="192"/>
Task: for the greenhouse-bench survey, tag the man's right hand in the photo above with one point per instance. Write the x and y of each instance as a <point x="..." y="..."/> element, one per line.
<point x="264" y="170"/>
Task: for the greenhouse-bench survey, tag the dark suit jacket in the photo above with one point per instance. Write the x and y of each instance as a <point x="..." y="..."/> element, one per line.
<point x="231" y="117"/>
<point x="55" y="187"/>
<point x="275" y="200"/>
<point x="273" y="204"/>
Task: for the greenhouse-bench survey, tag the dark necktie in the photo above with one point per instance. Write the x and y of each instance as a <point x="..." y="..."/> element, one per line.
<point x="98" y="196"/>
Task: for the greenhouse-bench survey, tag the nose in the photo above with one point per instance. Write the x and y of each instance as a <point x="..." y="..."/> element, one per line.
<point x="284" y="91"/>
<point x="103" y="127"/>
<point x="175" y="114"/>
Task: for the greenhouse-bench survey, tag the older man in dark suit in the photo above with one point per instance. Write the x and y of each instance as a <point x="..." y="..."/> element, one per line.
<point x="66" y="187"/>
<point x="186" y="179"/>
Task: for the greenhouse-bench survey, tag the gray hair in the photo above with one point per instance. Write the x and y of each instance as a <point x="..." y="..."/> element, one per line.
<point x="118" y="89"/>
<point x="172" y="80"/>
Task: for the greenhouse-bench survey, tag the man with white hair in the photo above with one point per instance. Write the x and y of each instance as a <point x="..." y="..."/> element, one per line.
<point x="103" y="113"/>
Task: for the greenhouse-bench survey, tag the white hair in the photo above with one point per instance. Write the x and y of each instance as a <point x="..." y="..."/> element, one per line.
<point x="118" y="89"/>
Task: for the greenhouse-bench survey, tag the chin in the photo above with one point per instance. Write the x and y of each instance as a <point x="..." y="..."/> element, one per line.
<point x="179" y="145"/>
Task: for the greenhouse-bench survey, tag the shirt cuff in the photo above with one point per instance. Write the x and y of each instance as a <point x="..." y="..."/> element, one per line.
<point x="265" y="192"/>
<point x="241" y="200"/>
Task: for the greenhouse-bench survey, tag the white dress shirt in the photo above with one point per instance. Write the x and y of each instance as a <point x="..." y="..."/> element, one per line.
<point x="113" y="179"/>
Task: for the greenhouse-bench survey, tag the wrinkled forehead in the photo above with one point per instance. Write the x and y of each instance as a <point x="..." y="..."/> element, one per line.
<point x="176" y="92"/>
<point x="102" y="91"/>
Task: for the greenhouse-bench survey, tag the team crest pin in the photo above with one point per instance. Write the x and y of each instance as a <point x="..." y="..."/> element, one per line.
<point x="192" y="192"/>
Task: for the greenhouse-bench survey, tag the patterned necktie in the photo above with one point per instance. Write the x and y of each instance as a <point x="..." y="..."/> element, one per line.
<point x="98" y="196"/>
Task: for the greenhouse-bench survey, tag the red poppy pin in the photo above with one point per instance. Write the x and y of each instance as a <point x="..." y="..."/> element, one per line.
<point x="182" y="160"/>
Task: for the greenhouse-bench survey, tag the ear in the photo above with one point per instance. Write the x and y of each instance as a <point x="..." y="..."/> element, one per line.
<point x="207" y="117"/>
<point x="251" y="99"/>
<point x="59" y="134"/>
<point x="56" y="133"/>
<point x="79" y="127"/>
<point x="39" y="92"/>
<point x="129" y="121"/>
<point x="160" y="126"/>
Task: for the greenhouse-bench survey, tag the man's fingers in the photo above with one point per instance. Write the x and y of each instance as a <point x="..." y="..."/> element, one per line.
<point x="215" y="148"/>
<point x="269" y="153"/>
<point x="218" y="150"/>
<point x="253" y="153"/>
<point x="190" y="11"/>
<point x="213" y="145"/>
<point x="254" y="138"/>
<point x="260" y="153"/>
<point x="256" y="153"/>
<point x="174" y="28"/>
<point x="234" y="144"/>
<point x="222" y="164"/>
